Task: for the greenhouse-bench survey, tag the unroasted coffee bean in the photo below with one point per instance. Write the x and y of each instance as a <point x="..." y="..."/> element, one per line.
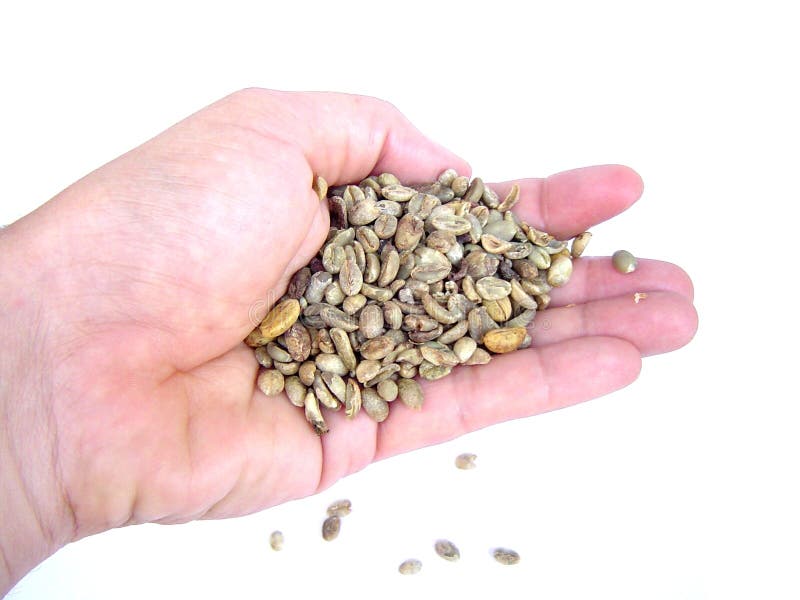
<point x="263" y="357"/>
<point x="447" y="550"/>
<point x="366" y="370"/>
<point x="505" y="556"/>
<point x="439" y="356"/>
<point x="320" y="187"/>
<point x="386" y="179"/>
<point x="306" y="372"/>
<point x="333" y="258"/>
<point x="523" y="319"/>
<point x="455" y="333"/>
<point x="475" y="190"/>
<point x="298" y="341"/>
<point x="479" y="357"/>
<point x="344" y="349"/>
<point x="499" y="310"/>
<point x="560" y="270"/>
<point x="385" y="226"/>
<point x="460" y="185"/>
<point x="492" y="288"/>
<point x="410" y="393"/>
<point x="270" y="382"/>
<point x="390" y="265"/>
<point x="521" y="297"/>
<point x="277" y="353"/>
<point x="387" y="390"/>
<point x="579" y="244"/>
<point x="464" y="348"/>
<point x="333" y="317"/>
<point x="409" y="232"/>
<point x="412" y="566"/>
<point x="377" y="348"/>
<point x="276" y="540"/>
<point x="295" y="390"/>
<point x="331" y="363"/>
<point x="465" y="461"/>
<point x="352" y="304"/>
<point x="376" y="407"/>
<point x="624" y="261"/>
<point x="286" y="369"/>
<point x="340" y="508"/>
<point x="398" y="193"/>
<point x="543" y="301"/>
<point x="392" y="315"/>
<point x="280" y="318"/>
<point x="299" y="283"/>
<point x="371" y="321"/>
<point x="352" y="401"/>
<point x="510" y="200"/>
<point x="502" y="230"/>
<point x="385" y="372"/>
<point x="323" y="394"/>
<point x="330" y="528"/>
<point x="437" y="311"/>
<point x="376" y="293"/>
<point x="335" y="385"/>
<point x="480" y="323"/>
<point x="314" y="415"/>
<point x="505" y="339"/>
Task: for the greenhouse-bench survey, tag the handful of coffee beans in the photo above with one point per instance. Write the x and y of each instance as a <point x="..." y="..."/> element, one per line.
<point x="412" y="281"/>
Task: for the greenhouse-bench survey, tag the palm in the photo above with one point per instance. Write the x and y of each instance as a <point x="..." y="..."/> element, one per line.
<point x="211" y="220"/>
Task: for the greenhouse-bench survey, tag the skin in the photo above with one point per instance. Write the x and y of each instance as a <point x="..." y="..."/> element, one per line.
<point x="127" y="395"/>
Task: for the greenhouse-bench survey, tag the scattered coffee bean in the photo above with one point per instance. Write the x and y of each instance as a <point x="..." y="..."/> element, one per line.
<point x="465" y="461"/>
<point x="624" y="261"/>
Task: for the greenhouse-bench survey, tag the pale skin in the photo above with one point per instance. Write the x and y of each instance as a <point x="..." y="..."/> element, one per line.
<point x="127" y="395"/>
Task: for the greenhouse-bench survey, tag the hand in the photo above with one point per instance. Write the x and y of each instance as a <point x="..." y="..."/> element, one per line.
<point x="129" y="396"/>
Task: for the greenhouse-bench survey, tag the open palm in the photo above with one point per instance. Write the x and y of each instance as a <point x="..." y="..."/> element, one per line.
<point x="158" y="263"/>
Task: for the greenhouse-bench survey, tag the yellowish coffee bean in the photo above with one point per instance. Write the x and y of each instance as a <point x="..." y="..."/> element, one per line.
<point x="504" y="339"/>
<point x="280" y="318"/>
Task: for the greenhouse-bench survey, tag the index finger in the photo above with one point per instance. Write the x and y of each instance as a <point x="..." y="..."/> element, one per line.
<point x="569" y="202"/>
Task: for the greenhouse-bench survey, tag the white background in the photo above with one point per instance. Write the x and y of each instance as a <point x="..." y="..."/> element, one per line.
<point x="678" y="487"/>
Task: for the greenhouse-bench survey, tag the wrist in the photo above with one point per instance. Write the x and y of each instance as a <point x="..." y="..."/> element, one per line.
<point x="34" y="513"/>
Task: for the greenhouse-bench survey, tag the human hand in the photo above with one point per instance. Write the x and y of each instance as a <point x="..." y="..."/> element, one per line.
<point x="129" y="396"/>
